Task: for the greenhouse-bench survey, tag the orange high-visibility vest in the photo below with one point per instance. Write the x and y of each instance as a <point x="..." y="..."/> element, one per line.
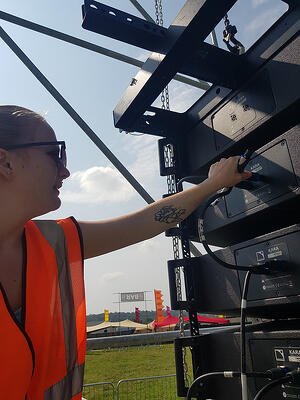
<point x="45" y="359"/>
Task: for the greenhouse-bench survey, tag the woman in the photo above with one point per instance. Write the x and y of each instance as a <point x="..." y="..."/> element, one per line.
<point x="42" y="309"/>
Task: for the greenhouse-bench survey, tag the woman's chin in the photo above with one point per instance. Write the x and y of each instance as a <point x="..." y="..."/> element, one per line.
<point x="51" y="204"/>
<point x="57" y="204"/>
<point x="54" y="205"/>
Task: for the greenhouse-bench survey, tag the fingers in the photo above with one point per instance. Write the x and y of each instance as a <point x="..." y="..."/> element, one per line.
<point x="225" y="172"/>
<point x="231" y="163"/>
<point x="228" y="160"/>
<point x="246" y="175"/>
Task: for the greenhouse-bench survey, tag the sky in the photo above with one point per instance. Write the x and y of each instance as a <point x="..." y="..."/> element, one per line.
<point x="93" y="84"/>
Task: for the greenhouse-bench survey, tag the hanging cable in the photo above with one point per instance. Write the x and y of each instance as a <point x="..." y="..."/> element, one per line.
<point x="242" y="163"/>
<point x="260" y="269"/>
<point x="203" y="378"/>
<point x="280" y="374"/>
<point x="264" y="268"/>
<point x="186" y="178"/>
<point x="291" y="377"/>
<point x="243" y="336"/>
<point x="229" y="36"/>
<point x="275" y="373"/>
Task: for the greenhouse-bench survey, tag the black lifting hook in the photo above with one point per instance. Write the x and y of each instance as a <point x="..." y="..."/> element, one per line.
<point x="228" y="36"/>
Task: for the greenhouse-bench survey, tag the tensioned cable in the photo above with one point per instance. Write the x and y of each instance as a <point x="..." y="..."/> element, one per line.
<point x="91" y="46"/>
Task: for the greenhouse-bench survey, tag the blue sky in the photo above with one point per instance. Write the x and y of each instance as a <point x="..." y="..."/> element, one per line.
<point x="93" y="84"/>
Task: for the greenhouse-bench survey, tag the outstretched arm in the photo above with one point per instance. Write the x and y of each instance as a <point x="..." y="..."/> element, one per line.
<point x="100" y="237"/>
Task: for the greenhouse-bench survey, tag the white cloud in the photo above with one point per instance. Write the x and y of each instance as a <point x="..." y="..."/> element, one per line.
<point x="257" y="3"/>
<point x="183" y="96"/>
<point x="105" y="184"/>
<point x="264" y="21"/>
<point x="145" y="151"/>
<point x="144" y="164"/>
<point x="112" y="276"/>
<point x="151" y="246"/>
<point x="96" y="185"/>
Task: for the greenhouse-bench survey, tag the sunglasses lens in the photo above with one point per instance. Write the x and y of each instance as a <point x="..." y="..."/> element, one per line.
<point x="63" y="156"/>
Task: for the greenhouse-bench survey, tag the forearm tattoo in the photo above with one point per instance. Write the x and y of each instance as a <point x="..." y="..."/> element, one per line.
<point x="169" y="215"/>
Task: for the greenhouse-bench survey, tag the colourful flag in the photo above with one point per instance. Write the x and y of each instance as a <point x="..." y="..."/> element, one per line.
<point x="159" y="305"/>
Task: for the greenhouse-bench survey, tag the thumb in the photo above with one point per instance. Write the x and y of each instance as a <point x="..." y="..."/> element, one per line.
<point x="246" y="174"/>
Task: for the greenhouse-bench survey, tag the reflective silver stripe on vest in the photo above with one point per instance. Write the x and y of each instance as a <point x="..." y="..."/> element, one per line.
<point x="54" y="234"/>
<point x="68" y="387"/>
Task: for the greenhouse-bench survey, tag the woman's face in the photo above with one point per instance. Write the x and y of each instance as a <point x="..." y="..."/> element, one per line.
<point x="39" y="174"/>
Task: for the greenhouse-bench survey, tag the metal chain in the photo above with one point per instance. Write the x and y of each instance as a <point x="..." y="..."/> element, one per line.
<point x="172" y="188"/>
<point x="156" y="11"/>
<point x="164" y="97"/>
<point x="229" y="36"/>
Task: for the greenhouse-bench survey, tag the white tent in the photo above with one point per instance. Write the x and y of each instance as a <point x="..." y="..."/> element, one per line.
<point x="124" y="324"/>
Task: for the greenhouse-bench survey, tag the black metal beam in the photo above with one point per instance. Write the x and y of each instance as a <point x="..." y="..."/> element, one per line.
<point x="160" y="122"/>
<point x="216" y="65"/>
<point x="119" y="25"/>
<point x="196" y="19"/>
<point x="258" y="55"/>
<point x="208" y="63"/>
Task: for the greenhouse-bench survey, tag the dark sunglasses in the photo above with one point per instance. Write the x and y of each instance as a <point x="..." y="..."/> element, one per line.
<point x="59" y="154"/>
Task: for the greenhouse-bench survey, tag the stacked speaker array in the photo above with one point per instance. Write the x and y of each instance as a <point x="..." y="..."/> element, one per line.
<point x="255" y="224"/>
<point x="253" y="104"/>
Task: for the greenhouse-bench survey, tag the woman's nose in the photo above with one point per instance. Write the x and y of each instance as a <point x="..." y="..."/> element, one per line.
<point x="64" y="173"/>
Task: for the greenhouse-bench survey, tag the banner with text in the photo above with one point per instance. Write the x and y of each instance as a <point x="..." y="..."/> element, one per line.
<point x="132" y="296"/>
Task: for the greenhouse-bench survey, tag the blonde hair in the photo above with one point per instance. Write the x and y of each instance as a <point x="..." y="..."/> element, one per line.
<point x="15" y="122"/>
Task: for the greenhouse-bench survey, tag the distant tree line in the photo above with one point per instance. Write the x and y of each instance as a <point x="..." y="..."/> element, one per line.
<point x="145" y="316"/>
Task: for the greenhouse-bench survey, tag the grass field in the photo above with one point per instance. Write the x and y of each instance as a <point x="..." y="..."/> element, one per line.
<point x="112" y="365"/>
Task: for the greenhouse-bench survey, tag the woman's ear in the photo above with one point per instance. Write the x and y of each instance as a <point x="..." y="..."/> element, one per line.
<point x="5" y="164"/>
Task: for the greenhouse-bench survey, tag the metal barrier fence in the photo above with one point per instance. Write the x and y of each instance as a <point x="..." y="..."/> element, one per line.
<point x="99" y="391"/>
<point x="150" y="388"/>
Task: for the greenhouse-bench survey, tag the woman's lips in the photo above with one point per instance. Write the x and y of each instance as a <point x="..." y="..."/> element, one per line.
<point x="58" y="186"/>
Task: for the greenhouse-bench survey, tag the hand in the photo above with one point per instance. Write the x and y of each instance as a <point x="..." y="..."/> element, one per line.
<point x="225" y="174"/>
